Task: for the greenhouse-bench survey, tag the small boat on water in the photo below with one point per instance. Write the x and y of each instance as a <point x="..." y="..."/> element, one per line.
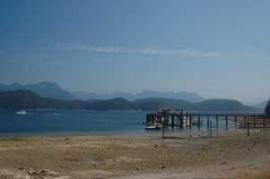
<point x="21" y="112"/>
<point x="153" y="127"/>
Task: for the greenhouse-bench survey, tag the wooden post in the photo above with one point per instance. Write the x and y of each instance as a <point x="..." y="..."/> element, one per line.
<point x="163" y="127"/>
<point x="264" y="122"/>
<point x="247" y="127"/>
<point x="217" y="121"/>
<point x="226" y="118"/>
<point x="207" y="122"/>
<point x="190" y="121"/>
<point x="199" y="122"/>
<point x="254" y="122"/>
<point x="235" y="122"/>
<point x="180" y="119"/>
<point x="245" y="121"/>
<point x="210" y="128"/>
<point x="172" y="122"/>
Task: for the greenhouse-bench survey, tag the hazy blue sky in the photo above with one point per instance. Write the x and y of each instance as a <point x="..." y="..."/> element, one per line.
<point x="216" y="48"/>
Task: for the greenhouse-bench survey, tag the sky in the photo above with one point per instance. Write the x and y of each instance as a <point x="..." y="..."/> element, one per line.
<point x="216" y="48"/>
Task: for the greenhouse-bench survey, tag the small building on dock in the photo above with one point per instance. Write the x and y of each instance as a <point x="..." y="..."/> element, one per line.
<point x="167" y="117"/>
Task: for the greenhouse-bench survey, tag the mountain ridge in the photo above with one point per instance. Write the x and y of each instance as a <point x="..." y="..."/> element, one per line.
<point x="23" y="99"/>
<point x="44" y="89"/>
<point x="53" y="90"/>
<point x="188" y="96"/>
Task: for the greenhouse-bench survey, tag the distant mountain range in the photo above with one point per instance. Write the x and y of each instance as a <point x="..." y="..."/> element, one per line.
<point x="148" y="99"/>
<point x="44" y="89"/>
<point x="191" y="97"/>
<point x="206" y="105"/>
<point x="53" y="90"/>
<point x="23" y="99"/>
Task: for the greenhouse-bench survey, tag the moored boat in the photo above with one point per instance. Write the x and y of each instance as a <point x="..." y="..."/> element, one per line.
<point x="152" y="127"/>
<point x="21" y="112"/>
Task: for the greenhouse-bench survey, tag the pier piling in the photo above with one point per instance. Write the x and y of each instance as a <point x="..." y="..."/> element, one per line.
<point x="210" y="128"/>
<point x="168" y="118"/>
<point x="235" y="122"/>
<point x="172" y="122"/>
<point x="226" y="119"/>
<point x="208" y="122"/>
<point x="248" y="127"/>
<point x="190" y="122"/>
<point x="217" y="121"/>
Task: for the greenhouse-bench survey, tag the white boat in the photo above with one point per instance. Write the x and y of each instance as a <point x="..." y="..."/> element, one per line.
<point x="22" y="112"/>
<point x="152" y="127"/>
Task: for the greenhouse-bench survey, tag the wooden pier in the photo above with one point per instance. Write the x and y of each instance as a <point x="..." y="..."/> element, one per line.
<point x="181" y="119"/>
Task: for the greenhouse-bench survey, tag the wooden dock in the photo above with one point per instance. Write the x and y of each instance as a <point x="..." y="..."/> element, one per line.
<point x="181" y="119"/>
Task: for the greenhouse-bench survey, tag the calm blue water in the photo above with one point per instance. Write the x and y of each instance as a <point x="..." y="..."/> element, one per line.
<point x="52" y="122"/>
<point x="76" y="122"/>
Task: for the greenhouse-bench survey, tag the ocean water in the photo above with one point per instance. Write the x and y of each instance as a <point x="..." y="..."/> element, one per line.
<point x="65" y="122"/>
<point x="57" y="122"/>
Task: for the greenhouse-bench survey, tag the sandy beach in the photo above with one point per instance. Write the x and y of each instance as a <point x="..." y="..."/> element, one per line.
<point x="231" y="155"/>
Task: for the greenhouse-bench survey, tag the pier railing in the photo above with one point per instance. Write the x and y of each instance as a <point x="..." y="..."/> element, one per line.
<point x="208" y="120"/>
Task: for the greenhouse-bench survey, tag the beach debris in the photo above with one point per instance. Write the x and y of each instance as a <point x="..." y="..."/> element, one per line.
<point x="45" y="173"/>
<point x="162" y="166"/>
<point x="138" y="168"/>
<point x="155" y="146"/>
<point x="92" y="162"/>
<point x="15" y="174"/>
<point x="223" y="163"/>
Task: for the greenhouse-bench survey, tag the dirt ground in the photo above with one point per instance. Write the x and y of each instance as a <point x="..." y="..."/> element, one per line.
<point x="232" y="155"/>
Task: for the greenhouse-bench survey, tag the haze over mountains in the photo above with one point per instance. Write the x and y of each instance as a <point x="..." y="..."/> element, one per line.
<point x="22" y="99"/>
<point x="50" y="95"/>
<point x="53" y="90"/>
<point x="191" y="97"/>
<point x="44" y="89"/>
